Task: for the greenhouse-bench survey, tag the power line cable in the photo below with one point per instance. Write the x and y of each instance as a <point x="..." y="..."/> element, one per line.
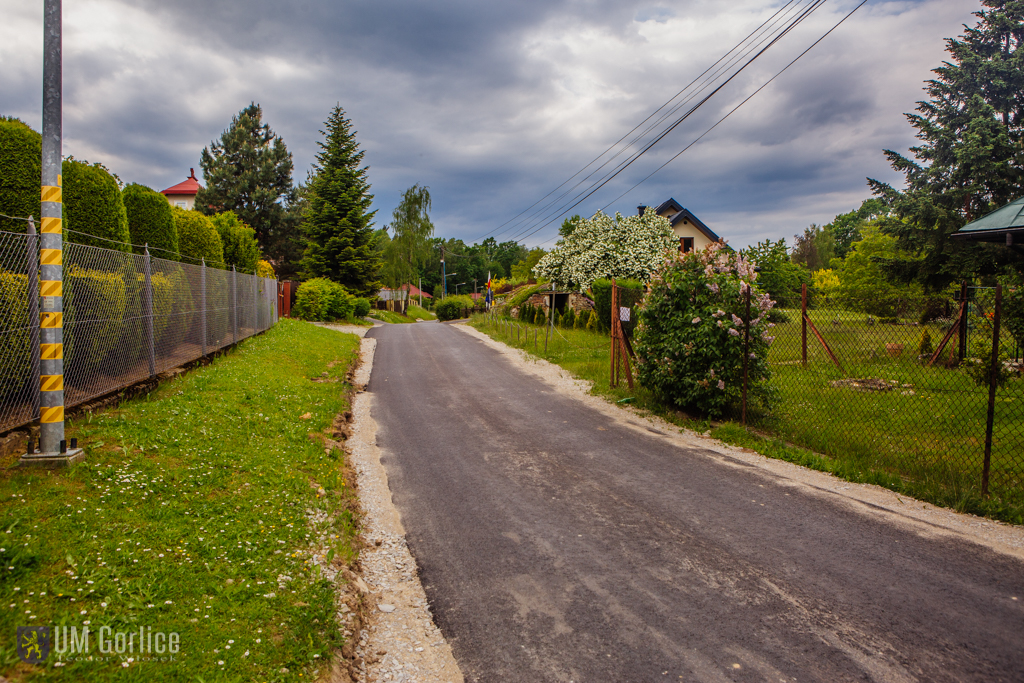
<point x="624" y="165"/>
<point x="767" y="22"/>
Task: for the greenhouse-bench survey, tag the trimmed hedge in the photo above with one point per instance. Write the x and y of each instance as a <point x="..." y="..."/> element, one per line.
<point x="21" y="151"/>
<point x="198" y="237"/>
<point x="94" y="302"/>
<point x="150" y="221"/>
<point x="450" y="308"/>
<point x="322" y="300"/>
<point x="14" y="346"/>
<point x="241" y="249"/>
<point x="93" y="206"/>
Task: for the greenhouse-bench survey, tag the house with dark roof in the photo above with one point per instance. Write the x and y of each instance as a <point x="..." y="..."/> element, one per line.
<point x="183" y="194"/>
<point x="690" y="230"/>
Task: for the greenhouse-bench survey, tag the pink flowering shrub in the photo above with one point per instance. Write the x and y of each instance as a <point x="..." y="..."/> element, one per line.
<point x="689" y="339"/>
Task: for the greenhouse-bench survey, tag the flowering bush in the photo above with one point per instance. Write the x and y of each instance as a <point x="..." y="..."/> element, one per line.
<point x="602" y="246"/>
<point x="689" y="340"/>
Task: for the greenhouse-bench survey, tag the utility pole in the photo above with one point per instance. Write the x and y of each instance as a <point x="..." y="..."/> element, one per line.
<point x="421" y="291"/>
<point x="444" y="278"/>
<point x="53" y="449"/>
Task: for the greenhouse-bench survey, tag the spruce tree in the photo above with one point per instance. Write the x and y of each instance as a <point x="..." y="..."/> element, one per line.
<point x="971" y="159"/>
<point x="249" y="171"/>
<point x="338" y="226"/>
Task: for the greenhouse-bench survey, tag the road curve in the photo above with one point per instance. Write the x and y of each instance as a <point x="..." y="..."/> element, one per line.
<point x="557" y="545"/>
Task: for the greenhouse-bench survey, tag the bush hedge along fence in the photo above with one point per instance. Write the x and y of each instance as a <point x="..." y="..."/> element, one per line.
<point x="93" y="206"/>
<point x="150" y="221"/>
<point x="450" y="308"/>
<point x="323" y="300"/>
<point x="20" y="172"/>
<point x="241" y="249"/>
<point x="198" y="237"/>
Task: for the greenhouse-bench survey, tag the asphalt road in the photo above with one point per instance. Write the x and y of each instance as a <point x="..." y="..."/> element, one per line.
<point x="557" y="546"/>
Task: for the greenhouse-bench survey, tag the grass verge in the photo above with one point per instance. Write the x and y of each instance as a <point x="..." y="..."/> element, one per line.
<point x="204" y="510"/>
<point x="586" y="355"/>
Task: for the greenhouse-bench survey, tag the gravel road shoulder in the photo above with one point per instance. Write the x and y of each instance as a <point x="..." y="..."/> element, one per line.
<point x="400" y="641"/>
<point x="922" y="518"/>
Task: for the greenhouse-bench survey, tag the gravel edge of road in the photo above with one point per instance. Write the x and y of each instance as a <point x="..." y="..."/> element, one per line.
<point x="923" y="518"/>
<point x="399" y="641"/>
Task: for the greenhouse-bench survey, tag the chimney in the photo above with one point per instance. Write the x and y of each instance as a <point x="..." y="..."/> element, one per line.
<point x="640" y="210"/>
<point x="192" y="173"/>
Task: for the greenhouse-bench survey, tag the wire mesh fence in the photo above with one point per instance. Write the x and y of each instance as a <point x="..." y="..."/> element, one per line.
<point x="910" y="393"/>
<point x="127" y="317"/>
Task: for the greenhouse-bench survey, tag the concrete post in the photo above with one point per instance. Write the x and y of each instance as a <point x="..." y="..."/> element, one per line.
<point x="147" y="310"/>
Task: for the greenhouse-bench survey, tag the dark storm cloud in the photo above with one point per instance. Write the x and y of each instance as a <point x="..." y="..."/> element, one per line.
<point x="493" y="104"/>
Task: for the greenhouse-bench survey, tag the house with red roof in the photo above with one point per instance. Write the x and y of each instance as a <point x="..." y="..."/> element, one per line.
<point x="183" y="194"/>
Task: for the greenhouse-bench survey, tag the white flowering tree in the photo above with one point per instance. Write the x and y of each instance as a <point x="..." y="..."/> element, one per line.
<point x="630" y="247"/>
<point x="690" y="338"/>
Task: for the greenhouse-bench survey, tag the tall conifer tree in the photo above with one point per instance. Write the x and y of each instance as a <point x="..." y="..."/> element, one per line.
<point x="249" y="171"/>
<point x="971" y="160"/>
<point x="340" y="241"/>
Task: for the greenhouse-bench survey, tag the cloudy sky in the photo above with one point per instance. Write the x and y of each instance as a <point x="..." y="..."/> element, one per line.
<point x="494" y="104"/>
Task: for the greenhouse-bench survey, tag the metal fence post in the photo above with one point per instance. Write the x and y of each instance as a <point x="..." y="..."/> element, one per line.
<point x="147" y="309"/>
<point x="992" y="382"/>
<point x="963" y="322"/>
<point x="202" y="303"/>
<point x="256" y="327"/>
<point x="803" y="323"/>
<point x="234" y="305"/>
<point x="32" y="291"/>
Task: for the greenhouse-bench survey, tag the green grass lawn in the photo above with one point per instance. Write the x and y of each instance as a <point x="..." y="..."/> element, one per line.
<point x="198" y="511"/>
<point x="925" y="437"/>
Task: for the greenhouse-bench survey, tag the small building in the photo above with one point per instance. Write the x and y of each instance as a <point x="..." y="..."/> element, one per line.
<point x="183" y="195"/>
<point x="1005" y="225"/>
<point x="690" y="230"/>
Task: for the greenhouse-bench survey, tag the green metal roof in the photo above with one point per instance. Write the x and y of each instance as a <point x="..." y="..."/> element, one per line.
<point x="1006" y="218"/>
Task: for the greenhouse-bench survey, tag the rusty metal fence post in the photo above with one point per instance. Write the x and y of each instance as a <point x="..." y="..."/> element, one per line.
<point x="993" y="381"/>
<point x="803" y="322"/>
<point x="962" y="323"/>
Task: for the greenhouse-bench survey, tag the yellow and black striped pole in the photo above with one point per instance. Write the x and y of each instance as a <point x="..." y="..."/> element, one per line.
<point x="51" y="312"/>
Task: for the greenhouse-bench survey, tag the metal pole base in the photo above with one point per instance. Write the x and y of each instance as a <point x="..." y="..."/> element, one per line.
<point x="51" y="460"/>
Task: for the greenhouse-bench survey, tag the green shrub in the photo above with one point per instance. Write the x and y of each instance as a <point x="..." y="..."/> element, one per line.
<point x="241" y="249"/>
<point x="924" y="347"/>
<point x="150" y="221"/>
<point x="689" y="341"/>
<point x="602" y="289"/>
<point x="581" y="320"/>
<point x="322" y="300"/>
<point x="94" y="305"/>
<point x="15" y="348"/>
<point x="362" y="307"/>
<point x="568" y="318"/>
<point x="526" y="312"/>
<point x="592" y="323"/>
<point x="20" y="170"/>
<point x="93" y="206"/>
<point x="197" y="237"/>
<point x="450" y="308"/>
<point x="540" y="317"/>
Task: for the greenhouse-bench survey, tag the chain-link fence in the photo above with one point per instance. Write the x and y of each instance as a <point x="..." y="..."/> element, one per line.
<point x="911" y="391"/>
<point x="126" y="317"/>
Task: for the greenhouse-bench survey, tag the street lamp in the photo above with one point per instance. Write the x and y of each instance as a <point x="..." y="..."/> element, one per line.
<point x="446" y="282"/>
<point x="457" y="288"/>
